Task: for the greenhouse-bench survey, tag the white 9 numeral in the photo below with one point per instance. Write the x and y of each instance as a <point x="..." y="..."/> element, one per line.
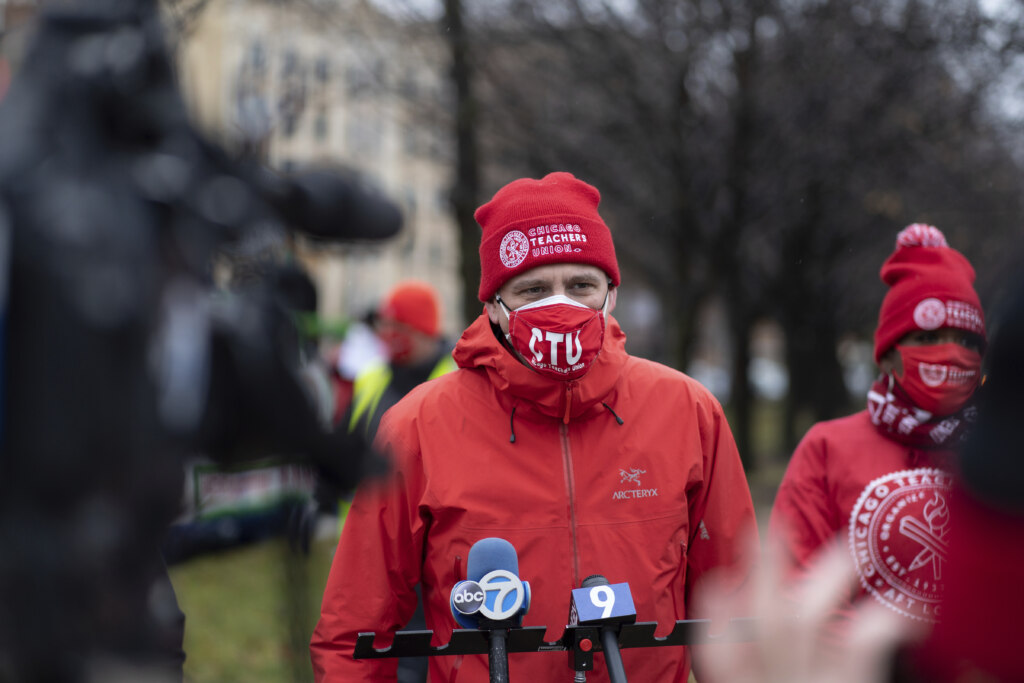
<point x="603" y="596"/>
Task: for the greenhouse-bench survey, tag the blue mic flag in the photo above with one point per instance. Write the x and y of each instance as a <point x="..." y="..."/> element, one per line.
<point x="601" y="604"/>
<point x="489" y="554"/>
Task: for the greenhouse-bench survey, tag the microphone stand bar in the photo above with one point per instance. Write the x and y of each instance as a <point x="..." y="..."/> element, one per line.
<point x="498" y="659"/>
<point x="531" y="639"/>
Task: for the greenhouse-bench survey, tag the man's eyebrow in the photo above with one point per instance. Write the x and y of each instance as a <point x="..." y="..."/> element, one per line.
<point x="527" y="284"/>
<point x="583" y="277"/>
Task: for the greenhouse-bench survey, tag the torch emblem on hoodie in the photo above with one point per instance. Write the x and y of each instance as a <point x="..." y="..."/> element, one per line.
<point x="898" y="539"/>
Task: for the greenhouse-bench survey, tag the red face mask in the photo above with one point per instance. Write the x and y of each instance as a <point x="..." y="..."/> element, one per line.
<point x="398" y="342"/>
<point x="556" y="336"/>
<point x="939" y="378"/>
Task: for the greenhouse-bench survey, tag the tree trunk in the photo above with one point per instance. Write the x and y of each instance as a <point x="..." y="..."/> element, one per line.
<point x="465" y="193"/>
<point x="741" y="398"/>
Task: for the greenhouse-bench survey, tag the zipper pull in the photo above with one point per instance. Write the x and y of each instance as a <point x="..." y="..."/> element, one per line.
<point x="568" y="402"/>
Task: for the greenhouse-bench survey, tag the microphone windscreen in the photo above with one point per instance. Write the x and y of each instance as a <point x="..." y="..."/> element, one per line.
<point x="489" y="554"/>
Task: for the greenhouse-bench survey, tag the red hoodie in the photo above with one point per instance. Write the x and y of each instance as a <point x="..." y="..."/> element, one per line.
<point x="657" y="501"/>
<point x="885" y="501"/>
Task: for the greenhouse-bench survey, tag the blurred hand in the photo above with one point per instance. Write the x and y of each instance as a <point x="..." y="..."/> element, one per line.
<point x="789" y="645"/>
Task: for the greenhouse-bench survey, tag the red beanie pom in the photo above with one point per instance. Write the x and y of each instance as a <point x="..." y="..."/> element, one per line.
<point x="921" y="235"/>
<point x="931" y="286"/>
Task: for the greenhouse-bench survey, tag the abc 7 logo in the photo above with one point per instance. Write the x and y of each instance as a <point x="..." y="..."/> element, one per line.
<point x="471" y="597"/>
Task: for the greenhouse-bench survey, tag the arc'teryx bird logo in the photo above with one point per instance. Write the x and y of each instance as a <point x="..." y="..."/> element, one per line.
<point x="633" y="476"/>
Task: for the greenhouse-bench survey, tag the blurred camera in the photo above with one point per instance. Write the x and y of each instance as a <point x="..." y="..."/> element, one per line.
<point x="120" y="356"/>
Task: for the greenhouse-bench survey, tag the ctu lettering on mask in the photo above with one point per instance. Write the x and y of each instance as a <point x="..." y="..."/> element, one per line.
<point x="556" y="336"/>
<point x="556" y="339"/>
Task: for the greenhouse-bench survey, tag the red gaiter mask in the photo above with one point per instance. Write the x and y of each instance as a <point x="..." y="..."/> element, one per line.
<point x="556" y="336"/>
<point x="939" y="378"/>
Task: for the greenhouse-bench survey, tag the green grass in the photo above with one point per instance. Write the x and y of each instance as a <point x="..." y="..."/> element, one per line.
<point x="249" y="612"/>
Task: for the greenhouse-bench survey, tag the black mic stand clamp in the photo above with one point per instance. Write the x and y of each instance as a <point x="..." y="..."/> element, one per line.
<point x="585" y="639"/>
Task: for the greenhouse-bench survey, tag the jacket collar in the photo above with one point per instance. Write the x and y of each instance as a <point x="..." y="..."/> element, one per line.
<point x="519" y="387"/>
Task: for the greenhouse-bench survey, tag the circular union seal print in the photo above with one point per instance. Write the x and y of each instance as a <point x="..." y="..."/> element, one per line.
<point x="933" y="374"/>
<point x="930" y="314"/>
<point x="898" y="538"/>
<point x="514" y="248"/>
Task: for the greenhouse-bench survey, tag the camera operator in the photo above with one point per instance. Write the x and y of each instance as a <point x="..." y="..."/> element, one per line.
<point x="118" y="358"/>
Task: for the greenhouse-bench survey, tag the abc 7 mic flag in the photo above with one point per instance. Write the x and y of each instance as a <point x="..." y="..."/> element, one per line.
<point x="498" y="596"/>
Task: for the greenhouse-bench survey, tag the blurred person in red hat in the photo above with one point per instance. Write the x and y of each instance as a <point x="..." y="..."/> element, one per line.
<point x="408" y="323"/>
<point x="879" y="482"/>
<point x="550" y="436"/>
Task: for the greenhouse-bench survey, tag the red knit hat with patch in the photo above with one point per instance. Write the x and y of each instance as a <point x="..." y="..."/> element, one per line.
<point x="530" y="223"/>
<point x="931" y="286"/>
<point x="414" y="304"/>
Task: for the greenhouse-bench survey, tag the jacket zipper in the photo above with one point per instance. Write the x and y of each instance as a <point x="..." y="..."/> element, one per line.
<point x="570" y="485"/>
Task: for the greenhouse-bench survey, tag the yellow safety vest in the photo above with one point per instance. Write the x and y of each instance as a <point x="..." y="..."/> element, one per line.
<point x="367" y="391"/>
<point x="373" y="381"/>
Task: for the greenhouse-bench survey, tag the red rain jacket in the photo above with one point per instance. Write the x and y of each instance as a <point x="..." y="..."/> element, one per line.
<point x="886" y="502"/>
<point x="656" y="501"/>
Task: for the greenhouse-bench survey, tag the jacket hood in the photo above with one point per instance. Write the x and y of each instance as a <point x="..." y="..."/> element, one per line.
<point x="521" y="389"/>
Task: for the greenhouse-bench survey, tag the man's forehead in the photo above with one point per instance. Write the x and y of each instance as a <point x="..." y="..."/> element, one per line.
<point x="558" y="272"/>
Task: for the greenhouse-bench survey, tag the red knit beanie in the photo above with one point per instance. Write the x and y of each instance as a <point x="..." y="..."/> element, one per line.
<point x="414" y="304"/>
<point x="530" y="223"/>
<point x="931" y="286"/>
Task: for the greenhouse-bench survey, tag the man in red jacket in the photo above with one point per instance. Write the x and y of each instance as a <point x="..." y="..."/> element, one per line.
<point x="551" y="436"/>
<point x="879" y="481"/>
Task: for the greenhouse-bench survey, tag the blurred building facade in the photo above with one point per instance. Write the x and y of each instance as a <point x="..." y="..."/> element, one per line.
<point x="15" y="27"/>
<point x="336" y="82"/>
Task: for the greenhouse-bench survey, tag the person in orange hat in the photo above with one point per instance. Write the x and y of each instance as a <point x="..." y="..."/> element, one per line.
<point x="408" y="322"/>
<point x="879" y="482"/>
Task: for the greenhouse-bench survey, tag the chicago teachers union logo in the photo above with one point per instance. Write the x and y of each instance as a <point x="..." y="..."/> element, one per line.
<point x="514" y="248"/>
<point x="930" y="314"/>
<point x="898" y="538"/>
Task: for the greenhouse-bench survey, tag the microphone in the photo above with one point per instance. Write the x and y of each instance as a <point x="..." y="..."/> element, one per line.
<point x="492" y="594"/>
<point x="607" y="606"/>
<point x="492" y="598"/>
<point x="331" y="204"/>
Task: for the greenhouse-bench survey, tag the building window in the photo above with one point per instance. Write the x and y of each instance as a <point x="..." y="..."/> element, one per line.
<point x="322" y="70"/>
<point x="258" y="58"/>
<point x="410" y="140"/>
<point x="320" y="127"/>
